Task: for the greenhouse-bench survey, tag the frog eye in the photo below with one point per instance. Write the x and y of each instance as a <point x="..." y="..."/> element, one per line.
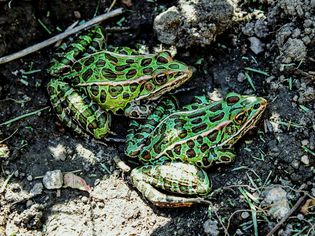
<point x="161" y="79"/>
<point x="240" y="118"/>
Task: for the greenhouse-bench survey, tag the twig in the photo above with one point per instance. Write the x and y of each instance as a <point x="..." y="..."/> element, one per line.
<point x="4" y="185"/>
<point x="23" y="116"/>
<point x="111" y="5"/>
<point x="220" y="221"/>
<point x="3" y="140"/>
<point x="58" y="37"/>
<point x="293" y="209"/>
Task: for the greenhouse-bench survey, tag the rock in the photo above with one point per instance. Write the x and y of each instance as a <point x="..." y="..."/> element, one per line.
<point x="194" y="22"/>
<point x="58" y="152"/>
<point x="85" y="199"/>
<point x="276" y="199"/>
<point x="245" y="215"/>
<point x="305" y="142"/>
<point x="305" y="160"/>
<point x="256" y="45"/>
<point x="167" y="24"/>
<point x="211" y="227"/>
<point x="241" y="77"/>
<point x="37" y="189"/>
<point x="4" y="151"/>
<point x="53" y="179"/>
<point x="293" y="50"/>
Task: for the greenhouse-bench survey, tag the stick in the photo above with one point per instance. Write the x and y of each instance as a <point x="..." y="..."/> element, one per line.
<point x="58" y="37"/>
<point x="293" y="209"/>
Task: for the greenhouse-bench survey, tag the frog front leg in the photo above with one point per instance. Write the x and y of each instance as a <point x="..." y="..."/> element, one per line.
<point x="138" y="133"/>
<point x="185" y="180"/>
<point x="77" y="111"/>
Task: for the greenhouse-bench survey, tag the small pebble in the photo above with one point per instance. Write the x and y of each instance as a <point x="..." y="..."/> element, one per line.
<point x="29" y="203"/>
<point x="305" y="142"/>
<point x="313" y="192"/>
<point x="300" y="216"/>
<point x="245" y="215"/>
<point x="37" y="189"/>
<point x="53" y="179"/>
<point x="29" y="178"/>
<point x="77" y="14"/>
<point x="295" y="164"/>
<point x="240" y="77"/>
<point x="16" y="173"/>
<point x="85" y="199"/>
<point x="256" y="45"/>
<point x="210" y="227"/>
<point x="305" y="160"/>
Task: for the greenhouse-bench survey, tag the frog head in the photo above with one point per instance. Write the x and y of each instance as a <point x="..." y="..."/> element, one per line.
<point x="166" y="74"/>
<point x="244" y="111"/>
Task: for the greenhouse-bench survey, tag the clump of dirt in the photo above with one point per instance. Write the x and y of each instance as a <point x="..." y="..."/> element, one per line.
<point x="194" y="22"/>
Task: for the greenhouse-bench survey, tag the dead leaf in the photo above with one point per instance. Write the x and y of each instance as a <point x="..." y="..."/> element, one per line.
<point x="73" y="181"/>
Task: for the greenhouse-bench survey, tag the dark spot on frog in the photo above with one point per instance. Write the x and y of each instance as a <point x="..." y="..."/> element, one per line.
<point x="100" y="63"/>
<point x="232" y="100"/>
<point x="191" y="153"/>
<point x="87" y="74"/>
<point x="217" y="117"/>
<point x="190" y="143"/>
<point x="146" y="155"/>
<point x="131" y="73"/>
<point x="146" y="62"/>
<point x="204" y="147"/>
<point x="216" y="107"/>
<point x="126" y="95"/>
<point x="95" y="89"/>
<point x="122" y="67"/>
<point x="147" y="71"/>
<point x="212" y="136"/>
<point x="199" y="128"/>
<point x="103" y="96"/>
<point x="177" y="149"/>
<point x="89" y="61"/>
<point x="170" y="153"/>
<point x="161" y="60"/>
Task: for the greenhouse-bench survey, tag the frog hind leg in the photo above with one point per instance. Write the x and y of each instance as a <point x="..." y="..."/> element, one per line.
<point x="77" y="111"/>
<point x="138" y="133"/>
<point x="83" y="45"/>
<point x="185" y="180"/>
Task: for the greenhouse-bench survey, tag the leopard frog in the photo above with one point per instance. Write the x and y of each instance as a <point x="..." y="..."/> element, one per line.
<point x="176" y="145"/>
<point x="90" y="82"/>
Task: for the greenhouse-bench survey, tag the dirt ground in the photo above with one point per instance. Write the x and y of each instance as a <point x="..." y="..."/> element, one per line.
<point x="272" y="177"/>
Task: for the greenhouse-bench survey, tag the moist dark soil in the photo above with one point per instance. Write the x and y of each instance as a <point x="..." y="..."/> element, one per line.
<point x="278" y="152"/>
